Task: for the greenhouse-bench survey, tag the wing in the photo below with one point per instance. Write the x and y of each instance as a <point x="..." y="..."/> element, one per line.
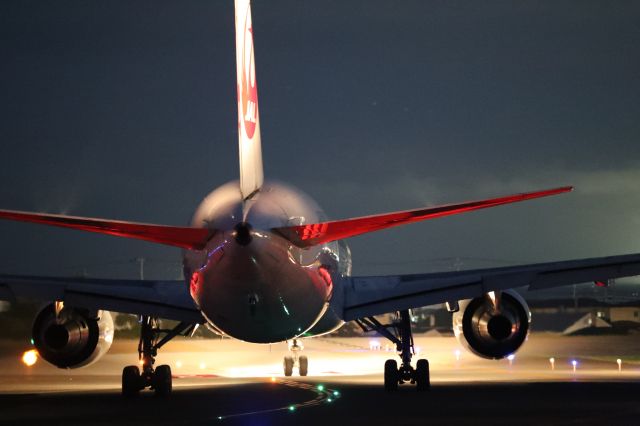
<point x="185" y="237"/>
<point x="319" y="233"/>
<point x="367" y="296"/>
<point x="164" y="299"/>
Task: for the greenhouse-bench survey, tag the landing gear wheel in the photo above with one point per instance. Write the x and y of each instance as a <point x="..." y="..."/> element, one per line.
<point x="288" y="366"/>
<point x="130" y="381"/>
<point x="422" y="378"/>
<point x="303" y="365"/>
<point x="390" y="375"/>
<point x="162" y="380"/>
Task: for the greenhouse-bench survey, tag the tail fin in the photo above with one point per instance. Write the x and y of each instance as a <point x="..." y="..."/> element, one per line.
<point x="251" y="175"/>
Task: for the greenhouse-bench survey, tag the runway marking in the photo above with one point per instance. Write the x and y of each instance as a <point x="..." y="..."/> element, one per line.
<point x="322" y="395"/>
<point x="190" y="376"/>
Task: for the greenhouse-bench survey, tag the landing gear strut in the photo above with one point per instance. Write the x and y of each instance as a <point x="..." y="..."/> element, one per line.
<point x="403" y="339"/>
<point x="158" y="379"/>
<point x="295" y="359"/>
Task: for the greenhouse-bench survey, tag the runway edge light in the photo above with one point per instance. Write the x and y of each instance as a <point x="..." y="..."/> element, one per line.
<point x="30" y="357"/>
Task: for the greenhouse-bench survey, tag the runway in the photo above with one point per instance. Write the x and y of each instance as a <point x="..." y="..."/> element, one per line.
<point x="230" y="382"/>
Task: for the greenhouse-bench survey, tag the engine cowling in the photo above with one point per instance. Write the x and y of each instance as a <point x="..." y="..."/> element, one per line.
<point x="491" y="332"/>
<point x="73" y="338"/>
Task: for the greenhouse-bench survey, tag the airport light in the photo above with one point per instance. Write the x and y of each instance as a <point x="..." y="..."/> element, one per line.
<point x="292" y="408"/>
<point x="619" y="361"/>
<point x="203" y="365"/>
<point x="552" y="361"/>
<point x="320" y="388"/>
<point x="178" y="364"/>
<point x="336" y="393"/>
<point x="329" y="399"/>
<point x="457" y="354"/>
<point x="511" y="358"/>
<point x="273" y="379"/>
<point x="574" y="363"/>
<point x="29" y="358"/>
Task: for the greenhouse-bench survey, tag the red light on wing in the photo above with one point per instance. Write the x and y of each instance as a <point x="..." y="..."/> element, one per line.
<point x="319" y="233"/>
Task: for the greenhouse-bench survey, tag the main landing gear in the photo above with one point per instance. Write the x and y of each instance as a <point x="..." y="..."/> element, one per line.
<point x="295" y="359"/>
<point x="158" y="379"/>
<point x="402" y="337"/>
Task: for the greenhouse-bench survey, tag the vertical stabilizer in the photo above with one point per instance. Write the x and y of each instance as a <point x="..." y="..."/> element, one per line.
<point x="251" y="175"/>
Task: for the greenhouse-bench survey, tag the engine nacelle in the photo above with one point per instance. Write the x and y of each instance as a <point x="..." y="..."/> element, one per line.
<point x="73" y="338"/>
<point x="489" y="332"/>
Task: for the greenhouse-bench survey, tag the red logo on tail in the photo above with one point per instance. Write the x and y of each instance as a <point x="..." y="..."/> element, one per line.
<point x="248" y="87"/>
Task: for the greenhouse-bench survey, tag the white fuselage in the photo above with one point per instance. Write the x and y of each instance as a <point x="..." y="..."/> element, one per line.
<point x="254" y="285"/>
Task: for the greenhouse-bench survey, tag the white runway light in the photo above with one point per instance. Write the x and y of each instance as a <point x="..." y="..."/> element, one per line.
<point x="29" y="358"/>
<point x="619" y="361"/>
<point x="552" y="361"/>
<point x="574" y="363"/>
<point x="511" y="358"/>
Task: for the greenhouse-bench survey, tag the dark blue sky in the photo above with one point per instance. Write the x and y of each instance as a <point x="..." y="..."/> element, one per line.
<point x="126" y="109"/>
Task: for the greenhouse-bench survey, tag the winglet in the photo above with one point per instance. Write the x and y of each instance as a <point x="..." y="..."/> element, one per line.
<point x="250" y="150"/>
<point x="319" y="233"/>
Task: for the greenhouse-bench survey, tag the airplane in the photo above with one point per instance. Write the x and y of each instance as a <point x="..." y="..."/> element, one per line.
<point x="262" y="264"/>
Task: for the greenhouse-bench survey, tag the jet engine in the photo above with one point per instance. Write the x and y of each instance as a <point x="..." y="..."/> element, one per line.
<point x="69" y="337"/>
<point x="493" y="326"/>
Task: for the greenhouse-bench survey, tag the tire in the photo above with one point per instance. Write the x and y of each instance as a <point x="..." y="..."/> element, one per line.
<point x="130" y="381"/>
<point x="423" y="382"/>
<point x="304" y="364"/>
<point x="390" y="375"/>
<point x="162" y="382"/>
<point x="288" y="366"/>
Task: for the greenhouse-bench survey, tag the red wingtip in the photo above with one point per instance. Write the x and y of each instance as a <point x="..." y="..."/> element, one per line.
<point x="319" y="233"/>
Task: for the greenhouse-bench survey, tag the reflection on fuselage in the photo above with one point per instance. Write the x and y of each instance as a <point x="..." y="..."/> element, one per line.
<point x="251" y="283"/>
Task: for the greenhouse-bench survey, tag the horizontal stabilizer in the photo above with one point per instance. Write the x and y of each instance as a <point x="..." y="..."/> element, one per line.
<point x="319" y="233"/>
<point x="185" y="237"/>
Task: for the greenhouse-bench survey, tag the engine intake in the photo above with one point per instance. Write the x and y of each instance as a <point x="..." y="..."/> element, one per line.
<point x="73" y="338"/>
<point x="489" y="331"/>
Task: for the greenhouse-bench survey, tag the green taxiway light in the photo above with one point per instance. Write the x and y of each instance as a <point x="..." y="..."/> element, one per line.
<point x="292" y="408"/>
<point x="320" y="387"/>
<point x="336" y="393"/>
<point x="329" y="400"/>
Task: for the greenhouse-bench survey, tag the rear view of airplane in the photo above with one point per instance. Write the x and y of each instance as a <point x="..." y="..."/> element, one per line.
<point x="261" y="264"/>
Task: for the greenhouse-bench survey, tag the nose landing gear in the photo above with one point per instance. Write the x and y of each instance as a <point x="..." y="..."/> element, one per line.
<point x="295" y="359"/>
<point x="403" y="338"/>
<point x="158" y="379"/>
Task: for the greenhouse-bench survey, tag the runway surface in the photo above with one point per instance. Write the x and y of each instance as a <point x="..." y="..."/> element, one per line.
<point x="229" y="382"/>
